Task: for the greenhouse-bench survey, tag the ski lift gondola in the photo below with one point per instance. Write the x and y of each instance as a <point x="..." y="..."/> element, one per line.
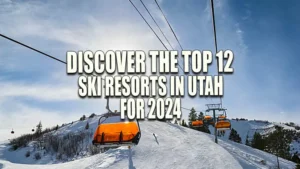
<point x="223" y="125"/>
<point x="32" y="130"/>
<point x="112" y="131"/>
<point x="208" y="119"/>
<point x="197" y="123"/>
<point x="222" y="122"/>
<point x="12" y="131"/>
<point x="221" y="117"/>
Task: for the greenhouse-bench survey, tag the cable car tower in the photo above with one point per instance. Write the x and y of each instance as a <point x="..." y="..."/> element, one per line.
<point x="219" y="123"/>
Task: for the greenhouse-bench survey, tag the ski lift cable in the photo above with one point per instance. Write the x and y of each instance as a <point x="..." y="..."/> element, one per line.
<point x="169" y="24"/>
<point x="148" y="24"/>
<point x="34" y="49"/>
<point x="22" y="44"/>
<point x="52" y="57"/>
<point x="175" y="35"/>
<point x="157" y="25"/>
<point x="151" y="29"/>
<point x="159" y="29"/>
<point x="170" y="28"/>
<point x="215" y="35"/>
<point x="163" y="32"/>
<point x="191" y="109"/>
<point x="157" y="35"/>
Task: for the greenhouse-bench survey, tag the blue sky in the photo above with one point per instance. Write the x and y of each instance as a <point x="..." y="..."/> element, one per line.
<point x="264" y="37"/>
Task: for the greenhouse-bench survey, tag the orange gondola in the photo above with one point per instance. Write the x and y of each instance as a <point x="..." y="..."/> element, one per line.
<point x="223" y="125"/>
<point x="207" y="118"/>
<point x="222" y="117"/>
<point x="113" y="131"/>
<point x="197" y="123"/>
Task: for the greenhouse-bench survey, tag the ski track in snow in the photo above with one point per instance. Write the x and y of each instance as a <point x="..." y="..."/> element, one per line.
<point x="162" y="145"/>
<point x="252" y="158"/>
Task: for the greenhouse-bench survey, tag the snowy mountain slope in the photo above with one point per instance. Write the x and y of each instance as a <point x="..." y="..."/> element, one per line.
<point x="245" y="127"/>
<point x="173" y="147"/>
<point x="286" y="127"/>
<point x="253" y="158"/>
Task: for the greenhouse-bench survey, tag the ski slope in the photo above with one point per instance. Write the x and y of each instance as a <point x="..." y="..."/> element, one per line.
<point x="162" y="145"/>
<point x="173" y="147"/>
<point x="253" y="158"/>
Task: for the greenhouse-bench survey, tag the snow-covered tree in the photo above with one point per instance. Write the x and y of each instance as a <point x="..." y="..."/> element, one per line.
<point x="39" y="128"/>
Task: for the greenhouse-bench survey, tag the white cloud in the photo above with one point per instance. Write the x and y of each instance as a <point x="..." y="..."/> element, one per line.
<point x="43" y="92"/>
<point x="22" y="118"/>
<point x="28" y="21"/>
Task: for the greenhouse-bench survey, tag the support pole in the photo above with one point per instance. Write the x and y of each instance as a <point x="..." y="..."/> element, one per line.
<point x="278" y="161"/>
<point x="216" y="138"/>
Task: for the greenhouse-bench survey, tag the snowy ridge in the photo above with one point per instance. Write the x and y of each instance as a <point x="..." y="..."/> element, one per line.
<point x="162" y="145"/>
<point x="286" y="127"/>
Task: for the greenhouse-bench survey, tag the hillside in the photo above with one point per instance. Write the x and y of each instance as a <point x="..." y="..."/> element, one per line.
<point x="245" y="127"/>
<point x="175" y="147"/>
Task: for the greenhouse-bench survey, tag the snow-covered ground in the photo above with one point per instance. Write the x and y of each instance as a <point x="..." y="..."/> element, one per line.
<point x="245" y="128"/>
<point x="173" y="147"/>
<point x="252" y="158"/>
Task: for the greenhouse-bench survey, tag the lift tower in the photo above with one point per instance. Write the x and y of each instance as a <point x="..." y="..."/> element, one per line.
<point x="214" y="108"/>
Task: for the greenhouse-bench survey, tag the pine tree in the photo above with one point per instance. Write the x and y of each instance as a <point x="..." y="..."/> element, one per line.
<point x="56" y="128"/>
<point x="183" y="123"/>
<point x="247" y="141"/>
<point x="234" y="136"/>
<point x="204" y="129"/>
<point x="258" y="142"/>
<point x="278" y="143"/>
<point x="87" y="126"/>
<point x="200" y="116"/>
<point x="296" y="159"/>
<point x="192" y="116"/>
<point x="82" y="118"/>
<point x="175" y="122"/>
<point x="92" y="115"/>
<point x="298" y="166"/>
<point x="39" y="128"/>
